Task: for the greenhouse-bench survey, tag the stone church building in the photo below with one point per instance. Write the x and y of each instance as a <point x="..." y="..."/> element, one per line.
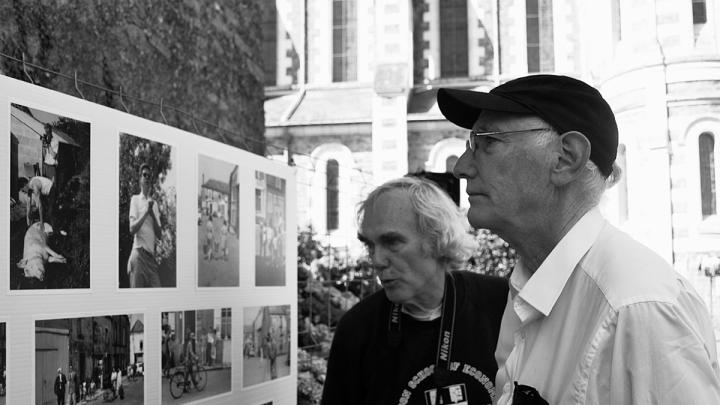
<point x="350" y="92"/>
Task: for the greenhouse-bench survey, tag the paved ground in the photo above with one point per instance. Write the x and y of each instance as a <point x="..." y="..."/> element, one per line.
<point x="267" y="274"/>
<point x="257" y="370"/>
<point x="218" y="383"/>
<point x="219" y="271"/>
<point x="134" y="394"/>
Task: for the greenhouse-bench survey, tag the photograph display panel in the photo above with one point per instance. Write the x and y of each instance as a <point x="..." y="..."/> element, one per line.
<point x="3" y="364"/>
<point x="266" y="344"/>
<point x="90" y="358"/>
<point x="147" y="213"/>
<point x="218" y="223"/>
<point x="65" y="320"/>
<point x="270" y="231"/>
<point x="49" y="200"/>
<point x="196" y="354"/>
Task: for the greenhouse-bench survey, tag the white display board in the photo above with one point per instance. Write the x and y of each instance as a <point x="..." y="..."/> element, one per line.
<point x="90" y="294"/>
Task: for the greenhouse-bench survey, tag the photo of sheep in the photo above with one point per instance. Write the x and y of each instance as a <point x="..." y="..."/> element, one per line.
<point x="49" y="200"/>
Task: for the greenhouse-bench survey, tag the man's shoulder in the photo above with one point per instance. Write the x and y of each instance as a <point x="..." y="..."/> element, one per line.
<point x="367" y="308"/>
<point x="626" y="271"/>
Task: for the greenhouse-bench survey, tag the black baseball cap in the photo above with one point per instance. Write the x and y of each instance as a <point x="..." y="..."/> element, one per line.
<point x="565" y="103"/>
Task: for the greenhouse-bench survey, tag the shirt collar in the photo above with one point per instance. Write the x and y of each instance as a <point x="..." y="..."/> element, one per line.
<point x="542" y="289"/>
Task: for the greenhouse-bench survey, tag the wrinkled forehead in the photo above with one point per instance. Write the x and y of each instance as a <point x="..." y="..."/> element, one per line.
<point x="391" y="210"/>
<point x="490" y="121"/>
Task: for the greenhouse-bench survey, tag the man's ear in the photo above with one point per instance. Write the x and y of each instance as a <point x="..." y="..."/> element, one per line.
<point x="572" y="156"/>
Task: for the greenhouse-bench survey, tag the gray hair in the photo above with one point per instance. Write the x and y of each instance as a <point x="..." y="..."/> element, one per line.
<point x="595" y="183"/>
<point x="592" y="180"/>
<point x="440" y="221"/>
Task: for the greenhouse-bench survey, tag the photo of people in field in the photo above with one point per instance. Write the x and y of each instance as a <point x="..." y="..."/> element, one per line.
<point x="218" y="241"/>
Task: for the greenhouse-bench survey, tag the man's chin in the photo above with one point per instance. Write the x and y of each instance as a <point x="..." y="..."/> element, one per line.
<point x="479" y="219"/>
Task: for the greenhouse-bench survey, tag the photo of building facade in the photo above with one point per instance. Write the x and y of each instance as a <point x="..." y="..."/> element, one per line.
<point x="87" y="351"/>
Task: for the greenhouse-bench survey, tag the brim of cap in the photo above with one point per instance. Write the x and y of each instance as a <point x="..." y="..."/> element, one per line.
<point x="462" y="107"/>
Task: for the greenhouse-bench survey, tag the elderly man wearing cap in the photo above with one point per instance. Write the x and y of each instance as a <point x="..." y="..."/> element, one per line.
<point x="593" y="316"/>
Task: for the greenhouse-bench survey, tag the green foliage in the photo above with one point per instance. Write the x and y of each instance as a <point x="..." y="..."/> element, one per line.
<point x="492" y="255"/>
<point x="135" y="151"/>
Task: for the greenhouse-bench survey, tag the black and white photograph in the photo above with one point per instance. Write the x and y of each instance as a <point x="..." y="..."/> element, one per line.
<point x="269" y="230"/>
<point x="90" y="359"/>
<point x="266" y="344"/>
<point x="218" y="241"/>
<point x="196" y="354"/>
<point x="147" y="213"/>
<point x="49" y="200"/>
<point x="3" y="364"/>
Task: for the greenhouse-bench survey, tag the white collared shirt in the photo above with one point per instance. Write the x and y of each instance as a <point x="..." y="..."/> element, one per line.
<point x="604" y="320"/>
<point x="145" y="236"/>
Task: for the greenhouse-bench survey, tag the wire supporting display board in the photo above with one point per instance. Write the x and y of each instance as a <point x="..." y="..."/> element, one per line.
<point x="140" y="261"/>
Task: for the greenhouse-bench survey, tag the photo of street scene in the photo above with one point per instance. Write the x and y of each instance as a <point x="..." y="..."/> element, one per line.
<point x="147" y="213"/>
<point x="49" y="200"/>
<point x="3" y="364"/>
<point x="81" y="360"/>
<point x="218" y="242"/>
<point x="269" y="230"/>
<point x="266" y="344"/>
<point x="196" y="354"/>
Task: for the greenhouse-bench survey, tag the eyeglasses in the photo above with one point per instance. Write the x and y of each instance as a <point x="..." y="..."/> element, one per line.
<point x="472" y="142"/>
<point x="146" y="174"/>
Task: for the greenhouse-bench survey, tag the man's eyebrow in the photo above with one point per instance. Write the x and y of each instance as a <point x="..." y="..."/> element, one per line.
<point x="391" y="236"/>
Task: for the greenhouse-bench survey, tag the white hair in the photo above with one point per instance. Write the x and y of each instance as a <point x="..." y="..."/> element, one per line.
<point x="595" y="183"/>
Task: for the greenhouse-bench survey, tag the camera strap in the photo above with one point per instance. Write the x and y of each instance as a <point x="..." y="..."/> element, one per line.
<point x="447" y="323"/>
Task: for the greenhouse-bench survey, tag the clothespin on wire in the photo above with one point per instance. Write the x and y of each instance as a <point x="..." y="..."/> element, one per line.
<point x="162" y="114"/>
<point x="194" y="124"/>
<point x="122" y="101"/>
<point x="77" y="87"/>
<point x="25" y="69"/>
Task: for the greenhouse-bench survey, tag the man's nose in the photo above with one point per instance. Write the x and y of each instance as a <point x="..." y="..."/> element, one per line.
<point x="464" y="168"/>
<point x="379" y="259"/>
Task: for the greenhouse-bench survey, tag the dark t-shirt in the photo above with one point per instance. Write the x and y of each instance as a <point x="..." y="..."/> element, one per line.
<point x="365" y="368"/>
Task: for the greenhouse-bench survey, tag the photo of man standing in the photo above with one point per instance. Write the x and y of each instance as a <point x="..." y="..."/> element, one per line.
<point x="147" y="209"/>
<point x="60" y="383"/>
<point x="145" y="227"/>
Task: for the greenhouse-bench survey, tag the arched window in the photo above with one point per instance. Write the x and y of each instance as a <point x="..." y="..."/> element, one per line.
<point x="332" y="171"/>
<point x="706" y="148"/>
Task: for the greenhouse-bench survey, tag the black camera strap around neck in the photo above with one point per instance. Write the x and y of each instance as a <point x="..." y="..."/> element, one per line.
<point x="447" y="323"/>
